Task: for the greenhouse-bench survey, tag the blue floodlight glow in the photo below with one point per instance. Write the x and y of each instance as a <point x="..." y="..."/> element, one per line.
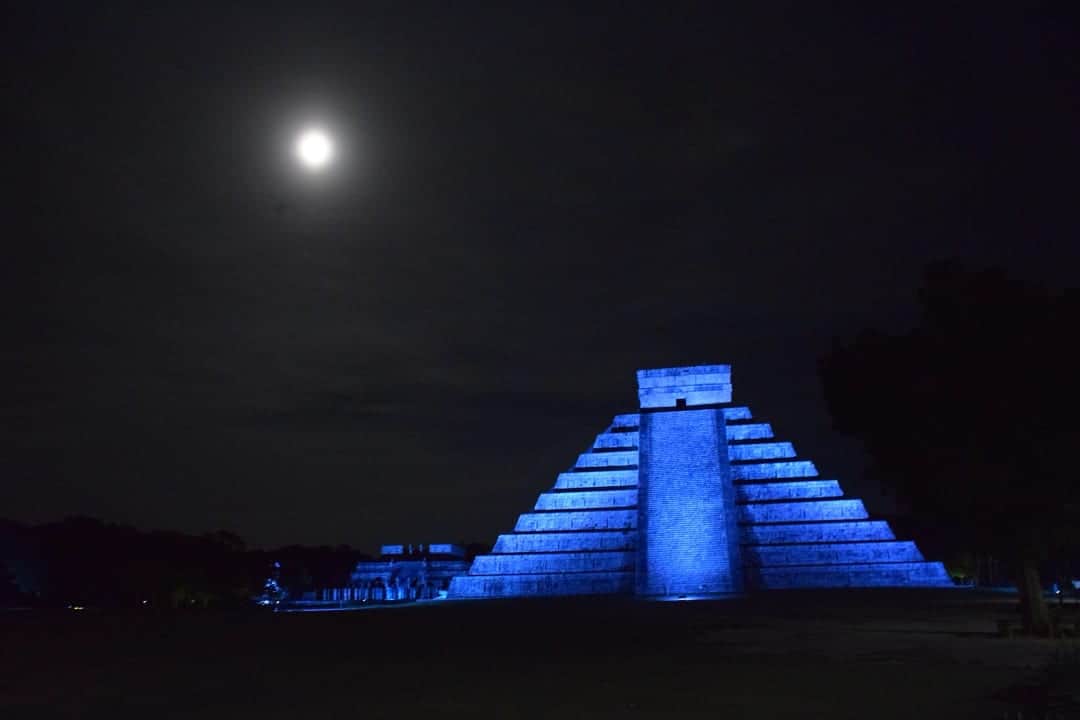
<point x="690" y="499"/>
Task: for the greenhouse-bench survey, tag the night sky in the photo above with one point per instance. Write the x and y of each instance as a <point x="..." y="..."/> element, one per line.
<point x="531" y="202"/>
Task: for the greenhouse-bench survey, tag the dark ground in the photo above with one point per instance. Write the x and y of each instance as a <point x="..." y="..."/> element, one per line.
<point x="853" y="654"/>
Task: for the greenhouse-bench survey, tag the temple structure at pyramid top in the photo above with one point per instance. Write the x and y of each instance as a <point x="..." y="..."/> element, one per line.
<point x="692" y="497"/>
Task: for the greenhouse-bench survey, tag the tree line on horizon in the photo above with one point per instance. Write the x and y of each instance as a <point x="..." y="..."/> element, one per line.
<point x="82" y="561"/>
<point x="88" y="562"/>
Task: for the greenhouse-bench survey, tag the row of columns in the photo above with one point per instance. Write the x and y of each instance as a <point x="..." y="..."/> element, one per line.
<point x="379" y="592"/>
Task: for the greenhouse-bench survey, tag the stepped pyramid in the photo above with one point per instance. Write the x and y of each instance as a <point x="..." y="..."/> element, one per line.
<point x="691" y="496"/>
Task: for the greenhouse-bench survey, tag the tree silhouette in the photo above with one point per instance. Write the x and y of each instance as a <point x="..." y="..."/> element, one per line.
<point x="9" y="590"/>
<point x="972" y="416"/>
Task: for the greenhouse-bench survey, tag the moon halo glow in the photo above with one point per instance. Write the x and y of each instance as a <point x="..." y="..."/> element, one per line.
<point x="314" y="149"/>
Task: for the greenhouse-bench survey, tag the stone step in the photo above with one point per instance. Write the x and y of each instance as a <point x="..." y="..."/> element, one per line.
<point x="796" y="490"/>
<point x="774" y="470"/>
<point x="551" y="584"/>
<point x="760" y="451"/>
<point x="914" y="574"/>
<point x="805" y="511"/>
<point x="736" y="413"/>
<point x="607" y="440"/>
<point x="566" y="541"/>
<point x="596" y="479"/>
<point x="587" y="499"/>
<point x="629" y="420"/>
<point x="619" y="458"/>
<point x="831" y="553"/>
<point x="856" y="531"/>
<point x="568" y="562"/>
<point x="749" y="431"/>
<point x="577" y="520"/>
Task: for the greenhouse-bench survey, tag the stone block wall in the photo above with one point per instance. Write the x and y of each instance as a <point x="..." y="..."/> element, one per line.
<point x="690" y="386"/>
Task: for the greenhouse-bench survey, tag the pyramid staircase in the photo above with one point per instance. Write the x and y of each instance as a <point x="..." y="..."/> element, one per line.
<point x="794" y="529"/>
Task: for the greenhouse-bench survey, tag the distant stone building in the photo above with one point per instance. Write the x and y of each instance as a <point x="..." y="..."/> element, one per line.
<point x="402" y="573"/>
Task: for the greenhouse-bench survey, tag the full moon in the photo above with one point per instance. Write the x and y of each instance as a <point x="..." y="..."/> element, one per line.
<point x="314" y="149"/>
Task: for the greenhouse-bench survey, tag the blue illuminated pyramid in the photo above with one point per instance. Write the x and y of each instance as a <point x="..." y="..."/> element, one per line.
<point x="692" y="497"/>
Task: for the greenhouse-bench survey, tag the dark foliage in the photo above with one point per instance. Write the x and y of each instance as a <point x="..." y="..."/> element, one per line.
<point x="84" y="561"/>
<point x="972" y="416"/>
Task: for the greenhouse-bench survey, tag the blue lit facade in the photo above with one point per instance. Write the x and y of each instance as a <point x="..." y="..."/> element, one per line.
<point x="692" y="497"/>
<point x="402" y="573"/>
<point x="686" y="507"/>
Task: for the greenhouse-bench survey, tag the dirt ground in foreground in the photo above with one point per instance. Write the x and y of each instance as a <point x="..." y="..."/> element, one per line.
<point x="834" y="654"/>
